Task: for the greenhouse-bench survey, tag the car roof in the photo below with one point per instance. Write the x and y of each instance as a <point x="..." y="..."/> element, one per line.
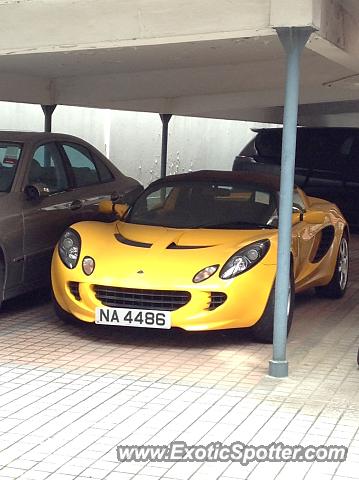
<point x="25" y="136"/>
<point x="272" y="182"/>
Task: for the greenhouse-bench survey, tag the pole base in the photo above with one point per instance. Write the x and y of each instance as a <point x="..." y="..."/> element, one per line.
<point x="278" y="368"/>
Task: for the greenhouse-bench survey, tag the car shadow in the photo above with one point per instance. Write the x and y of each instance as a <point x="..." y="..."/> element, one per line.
<point x="175" y="337"/>
<point x="33" y="299"/>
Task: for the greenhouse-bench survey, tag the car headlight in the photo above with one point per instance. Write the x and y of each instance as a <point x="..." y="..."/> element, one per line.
<point x="205" y="273"/>
<point x="69" y="248"/>
<point x="244" y="259"/>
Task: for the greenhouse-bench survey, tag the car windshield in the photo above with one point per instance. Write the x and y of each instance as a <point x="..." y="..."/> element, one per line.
<point x="9" y="158"/>
<point x="205" y="204"/>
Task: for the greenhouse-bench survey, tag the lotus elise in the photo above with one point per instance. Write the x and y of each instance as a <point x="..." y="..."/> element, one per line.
<point x="198" y="251"/>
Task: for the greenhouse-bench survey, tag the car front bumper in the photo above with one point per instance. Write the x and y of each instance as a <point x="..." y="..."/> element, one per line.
<point x="246" y="296"/>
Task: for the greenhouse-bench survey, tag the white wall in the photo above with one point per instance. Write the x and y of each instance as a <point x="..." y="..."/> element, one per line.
<point x="133" y="140"/>
<point x="20" y="116"/>
<point x="135" y="144"/>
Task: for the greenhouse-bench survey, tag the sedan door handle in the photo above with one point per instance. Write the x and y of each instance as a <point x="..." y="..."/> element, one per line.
<point x="76" y="205"/>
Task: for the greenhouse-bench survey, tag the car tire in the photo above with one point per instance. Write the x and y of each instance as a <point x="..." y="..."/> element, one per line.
<point x="337" y="286"/>
<point x="262" y="331"/>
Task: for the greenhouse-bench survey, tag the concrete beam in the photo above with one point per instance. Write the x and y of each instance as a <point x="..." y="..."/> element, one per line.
<point x="67" y="25"/>
<point x="210" y="84"/>
<point x="112" y="88"/>
<point x="267" y="99"/>
<point x="294" y="13"/>
<point x="338" y="36"/>
<point x="30" y="89"/>
<point x="219" y="105"/>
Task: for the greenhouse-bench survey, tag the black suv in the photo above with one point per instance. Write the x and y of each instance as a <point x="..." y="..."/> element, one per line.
<point x="327" y="163"/>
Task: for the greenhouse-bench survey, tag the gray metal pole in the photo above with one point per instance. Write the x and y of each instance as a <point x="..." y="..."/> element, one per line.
<point x="165" y="117"/>
<point x="293" y="40"/>
<point x="48" y="111"/>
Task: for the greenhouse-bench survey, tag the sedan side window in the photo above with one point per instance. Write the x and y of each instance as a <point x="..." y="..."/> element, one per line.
<point x="47" y="168"/>
<point x="105" y="174"/>
<point x="83" y="167"/>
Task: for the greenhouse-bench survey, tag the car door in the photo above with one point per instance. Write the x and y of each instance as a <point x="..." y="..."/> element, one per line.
<point x="11" y="225"/>
<point x="46" y="218"/>
<point x="93" y="181"/>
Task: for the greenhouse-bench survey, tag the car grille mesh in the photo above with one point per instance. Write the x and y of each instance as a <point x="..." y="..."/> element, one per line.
<point x="217" y="299"/>
<point x="167" y="300"/>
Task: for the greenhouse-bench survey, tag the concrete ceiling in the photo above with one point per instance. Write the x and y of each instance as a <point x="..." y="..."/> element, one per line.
<point x="203" y="58"/>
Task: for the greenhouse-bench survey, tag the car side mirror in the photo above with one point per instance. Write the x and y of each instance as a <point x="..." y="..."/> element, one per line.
<point x="108" y="208"/>
<point x="297" y="214"/>
<point x="35" y="191"/>
<point x="120" y="209"/>
<point x="296" y="217"/>
<point x="130" y="197"/>
<point x="315" y="217"/>
<point x="105" y="207"/>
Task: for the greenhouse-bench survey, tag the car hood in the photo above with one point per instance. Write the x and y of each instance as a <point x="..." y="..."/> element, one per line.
<point x="196" y="244"/>
<point x="163" y="237"/>
<point x="162" y="255"/>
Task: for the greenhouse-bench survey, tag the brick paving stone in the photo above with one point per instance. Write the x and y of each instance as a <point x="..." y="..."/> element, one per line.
<point x="70" y="394"/>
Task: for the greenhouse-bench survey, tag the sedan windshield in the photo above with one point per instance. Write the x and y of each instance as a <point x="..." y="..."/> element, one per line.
<point x="206" y="205"/>
<point x="9" y="158"/>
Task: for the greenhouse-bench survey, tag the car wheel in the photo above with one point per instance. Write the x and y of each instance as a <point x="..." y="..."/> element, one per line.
<point x="262" y="331"/>
<point x="338" y="284"/>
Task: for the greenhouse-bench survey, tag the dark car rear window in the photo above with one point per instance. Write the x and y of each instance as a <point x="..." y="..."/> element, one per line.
<point x="311" y="144"/>
<point x="321" y="155"/>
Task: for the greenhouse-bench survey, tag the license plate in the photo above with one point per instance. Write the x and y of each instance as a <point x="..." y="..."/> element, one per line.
<point x="125" y="317"/>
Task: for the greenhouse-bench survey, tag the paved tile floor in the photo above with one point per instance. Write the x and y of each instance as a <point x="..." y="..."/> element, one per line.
<point x="69" y="395"/>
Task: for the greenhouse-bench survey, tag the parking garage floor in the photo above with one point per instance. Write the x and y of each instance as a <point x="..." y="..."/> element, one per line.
<point x="70" y="395"/>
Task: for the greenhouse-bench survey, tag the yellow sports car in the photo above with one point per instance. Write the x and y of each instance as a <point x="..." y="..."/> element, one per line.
<point x="198" y="251"/>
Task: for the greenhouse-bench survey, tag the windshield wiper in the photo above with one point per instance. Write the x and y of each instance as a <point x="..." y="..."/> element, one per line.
<point x="235" y="223"/>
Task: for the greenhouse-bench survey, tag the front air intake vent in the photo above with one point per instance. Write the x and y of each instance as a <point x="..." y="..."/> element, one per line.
<point x="74" y="289"/>
<point x="174" y="246"/>
<point x="217" y="299"/>
<point x="326" y="240"/>
<point x="132" y="243"/>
